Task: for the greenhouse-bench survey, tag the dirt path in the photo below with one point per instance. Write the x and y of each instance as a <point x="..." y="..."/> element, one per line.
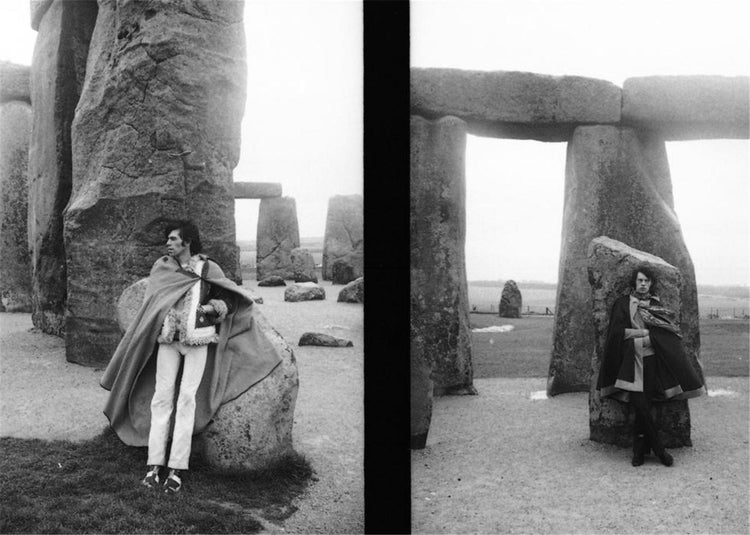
<point x="505" y="462"/>
<point x="43" y="396"/>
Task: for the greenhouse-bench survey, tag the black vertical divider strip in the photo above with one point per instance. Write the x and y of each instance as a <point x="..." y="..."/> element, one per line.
<point x="386" y="198"/>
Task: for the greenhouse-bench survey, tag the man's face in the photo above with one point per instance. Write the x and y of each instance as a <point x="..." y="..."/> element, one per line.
<point x="642" y="283"/>
<point x="175" y="245"/>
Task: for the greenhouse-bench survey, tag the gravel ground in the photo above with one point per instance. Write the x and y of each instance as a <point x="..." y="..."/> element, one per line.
<point x="506" y="462"/>
<point x="329" y="415"/>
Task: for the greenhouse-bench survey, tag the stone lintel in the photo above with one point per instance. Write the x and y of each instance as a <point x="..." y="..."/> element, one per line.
<point x="15" y="82"/>
<point x="514" y="105"/>
<point x="688" y="107"/>
<point x="256" y="190"/>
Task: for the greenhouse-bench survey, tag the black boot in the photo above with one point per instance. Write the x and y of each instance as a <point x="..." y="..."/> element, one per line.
<point x="639" y="449"/>
<point x="664" y="456"/>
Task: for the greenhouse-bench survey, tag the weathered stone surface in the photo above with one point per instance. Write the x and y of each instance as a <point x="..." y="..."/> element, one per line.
<point x="420" y="390"/>
<point x="304" y="291"/>
<point x="323" y="340"/>
<point x="514" y="105"/>
<point x="254" y="430"/>
<point x="256" y="190"/>
<point x="38" y="8"/>
<point x="342" y="271"/>
<point x="617" y="184"/>
<point x="510" y="301"/>
<point x="277" y="235"/>
<point x="15" y="264"/>
<point x="303" y="266"/>
<point x="344" y="236"/>
<point x="14" y="82"/>
<point x="57" y="75"/>
<point x="129" y="302"/>
<point x="439" y="294"/>
<point x="354" y="292"/>
<point x="688" y="107"/>
<point x="272" y="280"/>
<point x="610" y="266"/>
<point x="156" y="136"/>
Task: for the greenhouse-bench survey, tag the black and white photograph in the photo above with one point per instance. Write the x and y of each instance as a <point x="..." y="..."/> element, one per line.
<point x="579" y="267"/>
<point x="182" y="318"/>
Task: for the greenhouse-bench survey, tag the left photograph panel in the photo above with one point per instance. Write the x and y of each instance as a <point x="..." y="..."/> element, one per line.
<point x="182" y="280"/>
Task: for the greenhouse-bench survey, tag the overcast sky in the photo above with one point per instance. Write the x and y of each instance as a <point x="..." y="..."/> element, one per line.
<point x="515" y="188"/>
<point x="303" y="118"/>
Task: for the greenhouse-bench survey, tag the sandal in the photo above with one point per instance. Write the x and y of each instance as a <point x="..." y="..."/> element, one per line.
<point x="152" y="478"/>
<point x="173" y="483"/>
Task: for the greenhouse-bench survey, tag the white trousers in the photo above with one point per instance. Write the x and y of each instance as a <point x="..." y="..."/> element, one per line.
<point x="162" y="404"/>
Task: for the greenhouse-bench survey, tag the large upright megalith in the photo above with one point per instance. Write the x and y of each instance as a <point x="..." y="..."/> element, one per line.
<point x="156" y="136"/>
<point x="610" y="266"/>
<point x="511" y="301"/>
<point x="344" y="239"/>
<point x="617" y="183"/>
<point x="57" y="74"/>
<point x="15" y="265"/>
<point x="277" y="236"/>
<point x="439" y="295"/>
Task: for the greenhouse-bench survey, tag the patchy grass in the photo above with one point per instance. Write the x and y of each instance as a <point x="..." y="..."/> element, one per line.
<point x="525" y="351"/>
<point x="94" y="487"/>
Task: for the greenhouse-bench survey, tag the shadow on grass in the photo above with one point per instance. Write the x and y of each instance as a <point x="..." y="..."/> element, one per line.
<point x="94" y="487"/>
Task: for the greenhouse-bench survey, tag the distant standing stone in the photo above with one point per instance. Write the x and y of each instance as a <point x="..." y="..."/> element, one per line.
<point x="354" y="292"/>
<point x="272" y="280"/>
<point x="277" y="235"/>
<point x="510" y="301"/>
<point x="304" y="291"/>
<point x="303" y="266"/>
<point x="325" y="340"/>
<point x="344" y="236"/>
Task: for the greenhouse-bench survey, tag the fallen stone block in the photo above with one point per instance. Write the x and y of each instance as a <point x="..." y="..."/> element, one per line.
<point x="324" y="340"/>
<point x="304" y="291"/>
<point x="354" y="292"/>
<point x="272" y="280"/>
<point x="303" y="266"/>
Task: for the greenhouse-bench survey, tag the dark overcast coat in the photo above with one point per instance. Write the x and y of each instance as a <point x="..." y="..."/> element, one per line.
<point x="675" y="374"/>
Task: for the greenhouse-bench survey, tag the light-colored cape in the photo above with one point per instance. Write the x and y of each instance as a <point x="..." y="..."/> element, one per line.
<point x="242" y="357"/>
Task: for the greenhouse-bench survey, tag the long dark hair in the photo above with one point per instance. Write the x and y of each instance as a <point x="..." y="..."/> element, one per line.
<point x="189" y="234"/>
<point x="649" y="272"/>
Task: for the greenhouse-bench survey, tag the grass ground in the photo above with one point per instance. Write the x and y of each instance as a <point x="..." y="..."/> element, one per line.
<point x="92" y="487"/>
<point x="525" y="351"/>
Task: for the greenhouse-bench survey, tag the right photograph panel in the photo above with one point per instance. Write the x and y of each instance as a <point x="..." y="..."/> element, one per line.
<point x="580" y="311"/>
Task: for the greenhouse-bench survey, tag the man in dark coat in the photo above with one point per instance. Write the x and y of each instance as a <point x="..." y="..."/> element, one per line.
<point x="192" y="317"/>
<point x="644" y="360"/>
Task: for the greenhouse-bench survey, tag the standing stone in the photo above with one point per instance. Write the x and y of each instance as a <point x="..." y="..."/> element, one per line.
<point x="617" y="183"/>
<point x="57" y="75"/>
<point x="303" y="266"/>
<point x="420" y="390"/>
<point x="277" y="236"/>
<point x="342" y="272"/>
<point x="254" y="430"/>
<point x="610" y="266"/>
<point x="155" y="138"/>
<point x="439" y="295"/>
<point x="344" y="237"/>
<point x="510" y="301"/>
<point x="15" y="264"/>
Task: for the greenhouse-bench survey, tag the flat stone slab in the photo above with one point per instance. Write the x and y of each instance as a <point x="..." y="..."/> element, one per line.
<point x="514" y="105"/>
<point x="688" y="107"/>
<point x="256" y="190"/>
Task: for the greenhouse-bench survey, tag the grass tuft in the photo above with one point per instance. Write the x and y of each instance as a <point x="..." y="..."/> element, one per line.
<point x="94" y="487"/>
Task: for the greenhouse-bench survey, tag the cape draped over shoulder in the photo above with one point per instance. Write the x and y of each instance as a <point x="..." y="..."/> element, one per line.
<point x="677" y="379"/>
<point x="242" y="357"/>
